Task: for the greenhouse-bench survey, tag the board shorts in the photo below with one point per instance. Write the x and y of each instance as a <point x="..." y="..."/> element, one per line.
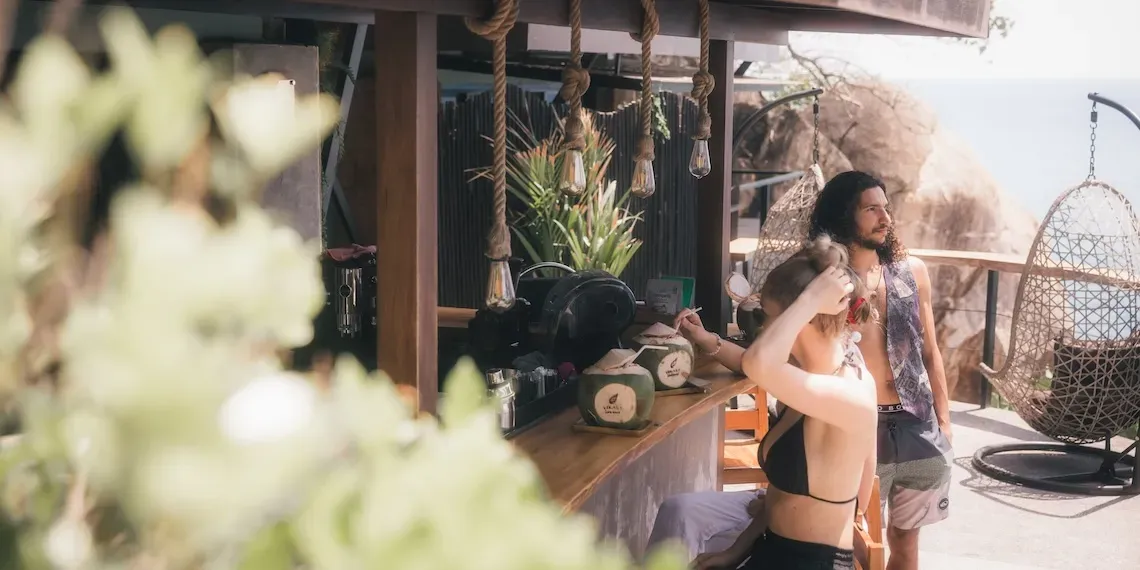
<point x="914" y="465"/>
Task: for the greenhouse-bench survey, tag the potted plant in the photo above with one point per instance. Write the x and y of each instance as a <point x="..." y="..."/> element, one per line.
<point x="592" y="231"/>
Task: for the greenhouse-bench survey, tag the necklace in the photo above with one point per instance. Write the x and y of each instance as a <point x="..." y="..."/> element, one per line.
<point x="879" y="269"/>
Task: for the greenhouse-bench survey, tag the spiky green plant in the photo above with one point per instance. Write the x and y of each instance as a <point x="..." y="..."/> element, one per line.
<point x="553" y="227"/>
<point x="598" y="232"/>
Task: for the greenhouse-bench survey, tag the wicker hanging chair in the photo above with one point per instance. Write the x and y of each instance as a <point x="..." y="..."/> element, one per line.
<point x="1073" y="367"/>
<point x="785" y="230"/>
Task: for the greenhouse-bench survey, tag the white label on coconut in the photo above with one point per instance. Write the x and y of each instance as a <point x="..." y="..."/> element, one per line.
<point x="675" y="369"/>
<point x="615" y="403"/>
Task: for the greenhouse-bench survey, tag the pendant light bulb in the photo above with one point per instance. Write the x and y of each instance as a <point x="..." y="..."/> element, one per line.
<point x="643" y="185"/>
<point x="573" y="181"/>
<point x="500" y="287"/>
<point x="700" y="163"/>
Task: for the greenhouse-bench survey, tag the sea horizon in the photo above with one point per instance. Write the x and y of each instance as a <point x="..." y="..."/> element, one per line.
<point x="1032" y="135"/>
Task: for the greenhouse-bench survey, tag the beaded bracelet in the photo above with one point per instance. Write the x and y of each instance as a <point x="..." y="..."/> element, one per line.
<point x="719" y="343"/>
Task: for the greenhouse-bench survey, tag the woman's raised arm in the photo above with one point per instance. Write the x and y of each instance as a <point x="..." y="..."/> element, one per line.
<point x="832" y="399"/>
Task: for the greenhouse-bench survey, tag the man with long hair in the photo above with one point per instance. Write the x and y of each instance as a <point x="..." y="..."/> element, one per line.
<point x="901" y="352"/>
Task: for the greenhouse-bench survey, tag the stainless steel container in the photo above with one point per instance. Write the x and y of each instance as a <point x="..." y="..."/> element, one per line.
<point x="501" y="387"/>
<point x="348" y="292"/>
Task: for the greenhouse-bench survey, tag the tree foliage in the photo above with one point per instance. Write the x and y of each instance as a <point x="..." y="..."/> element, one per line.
<point x="1000" y="27"/>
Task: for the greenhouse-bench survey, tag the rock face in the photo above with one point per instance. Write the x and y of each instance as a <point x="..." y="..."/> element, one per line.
<point x="958" y="206"/>
<point x="942" y="198"/>
<point x="880" y="130"/>
<point x="782" y="141"/>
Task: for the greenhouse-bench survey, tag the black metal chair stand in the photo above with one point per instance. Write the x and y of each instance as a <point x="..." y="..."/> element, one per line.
<point x="1116" y="476"/>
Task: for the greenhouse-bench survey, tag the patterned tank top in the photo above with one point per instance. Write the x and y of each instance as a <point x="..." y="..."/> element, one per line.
<point x="905" y="342"/>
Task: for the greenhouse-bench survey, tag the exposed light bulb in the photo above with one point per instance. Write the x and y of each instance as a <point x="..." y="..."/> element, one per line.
<point x="643" y="185"/>
<point x="700" y="163"/>
<point x="500" y="287"/>
<point x="573" y="181"/>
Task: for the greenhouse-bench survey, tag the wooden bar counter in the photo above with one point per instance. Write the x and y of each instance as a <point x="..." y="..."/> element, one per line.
<point x="621" y="481"/>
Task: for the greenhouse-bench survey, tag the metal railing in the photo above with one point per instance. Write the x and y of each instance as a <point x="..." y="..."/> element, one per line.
<point x="994" y="266"/>
<point x="993" y="263"/>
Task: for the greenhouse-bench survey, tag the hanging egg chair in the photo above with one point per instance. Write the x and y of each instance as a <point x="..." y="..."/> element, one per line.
<point x="1073" y="367"/>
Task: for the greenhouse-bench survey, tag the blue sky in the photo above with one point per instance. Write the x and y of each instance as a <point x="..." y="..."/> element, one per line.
<point x="1022" y="104"/>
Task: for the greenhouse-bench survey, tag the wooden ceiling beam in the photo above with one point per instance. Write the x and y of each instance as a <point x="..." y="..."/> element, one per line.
<point x="677" y="17"/>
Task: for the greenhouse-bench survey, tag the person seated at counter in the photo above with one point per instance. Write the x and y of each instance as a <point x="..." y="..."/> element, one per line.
<point x="820" y="454"/>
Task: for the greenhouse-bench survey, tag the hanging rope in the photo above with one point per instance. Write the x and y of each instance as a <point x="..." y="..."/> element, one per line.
<point x="575" y="82"/>
<point x="495" y="30"/>
<point x="703" y="81"/>
<point x="649" y="28"/>
<point x="815" y="130"/>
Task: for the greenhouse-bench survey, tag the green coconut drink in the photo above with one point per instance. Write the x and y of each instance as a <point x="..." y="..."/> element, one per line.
<point x="672" y="364"/>
<point x="749" y="312"/>
<point x="616" y="392"/>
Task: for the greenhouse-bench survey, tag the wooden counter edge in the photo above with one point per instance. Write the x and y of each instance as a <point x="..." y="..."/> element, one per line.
<point x="459" y="317"/>
<point x="454" y="317"/>
<point x="724" y="386"/>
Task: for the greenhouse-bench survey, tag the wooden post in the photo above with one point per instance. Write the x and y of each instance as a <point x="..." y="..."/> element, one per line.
<point x="714" y="197"/>
<point x="407" y="104"/>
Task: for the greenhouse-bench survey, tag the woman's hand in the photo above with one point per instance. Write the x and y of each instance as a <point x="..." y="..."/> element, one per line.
<point x="756" y="506"/>
<point x="829" y="291"/>
<point x="689" y="324"/>
<point x="725" y="560"/>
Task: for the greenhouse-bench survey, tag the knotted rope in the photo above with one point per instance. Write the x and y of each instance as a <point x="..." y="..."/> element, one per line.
<point x="703" y="81"/>
<point x="649" y="28"/>
<point x="575" y="82"/>
<point x="495" y="30"/>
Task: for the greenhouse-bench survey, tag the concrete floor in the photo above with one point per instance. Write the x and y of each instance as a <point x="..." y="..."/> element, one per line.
<point x="998" y="526"/>
<point x="994" y="526"/>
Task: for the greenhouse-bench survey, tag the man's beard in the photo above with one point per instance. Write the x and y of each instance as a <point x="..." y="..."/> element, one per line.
<point x="878" y="246"/>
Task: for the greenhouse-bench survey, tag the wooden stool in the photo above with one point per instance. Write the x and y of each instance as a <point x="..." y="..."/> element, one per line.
<point x="741" y="464"/>
<point x="869" y="551"/>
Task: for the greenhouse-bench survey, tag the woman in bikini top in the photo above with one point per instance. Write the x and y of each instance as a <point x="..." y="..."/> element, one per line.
<point x="819" y="456"/>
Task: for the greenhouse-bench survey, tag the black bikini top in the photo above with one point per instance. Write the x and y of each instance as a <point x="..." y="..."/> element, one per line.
<point x="786" y="462"/>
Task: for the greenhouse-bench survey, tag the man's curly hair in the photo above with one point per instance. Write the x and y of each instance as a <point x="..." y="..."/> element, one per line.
<point x="834" y="214"/>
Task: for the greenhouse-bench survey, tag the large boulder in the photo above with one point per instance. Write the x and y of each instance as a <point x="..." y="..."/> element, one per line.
<point x="781" y="141"/>
<point x="958" y="206"/>
<point x="943" y="199"/>
<point x="881" y="130"/>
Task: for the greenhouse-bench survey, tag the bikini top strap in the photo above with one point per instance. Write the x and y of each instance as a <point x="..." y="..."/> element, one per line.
<point x="853" y="357"/>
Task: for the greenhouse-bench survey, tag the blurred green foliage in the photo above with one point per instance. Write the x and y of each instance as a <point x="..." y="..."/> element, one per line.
<point x="160" y="429"/>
